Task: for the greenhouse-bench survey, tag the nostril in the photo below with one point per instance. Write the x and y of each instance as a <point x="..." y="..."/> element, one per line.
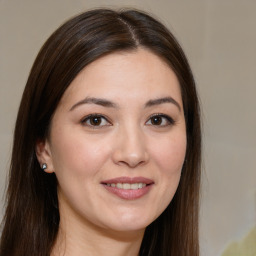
<point x="130" y="150"/>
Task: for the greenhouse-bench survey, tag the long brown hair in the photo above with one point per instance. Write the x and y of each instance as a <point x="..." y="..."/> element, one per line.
<point x="31" y="220"/>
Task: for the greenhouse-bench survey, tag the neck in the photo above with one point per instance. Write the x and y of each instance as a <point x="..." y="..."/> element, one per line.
<point x="75" y="238"/>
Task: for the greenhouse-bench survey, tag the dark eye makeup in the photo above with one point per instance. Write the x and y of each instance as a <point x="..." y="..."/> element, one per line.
<point x="95" y="120"/>
<point x="98" y="120"/>
<point x="160" y="120"/>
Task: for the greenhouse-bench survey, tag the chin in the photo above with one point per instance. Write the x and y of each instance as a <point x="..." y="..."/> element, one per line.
<point x="131" y="222"/>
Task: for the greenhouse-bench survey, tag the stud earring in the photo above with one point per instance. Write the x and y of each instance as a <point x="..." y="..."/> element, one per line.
<point x="44" y="166"/>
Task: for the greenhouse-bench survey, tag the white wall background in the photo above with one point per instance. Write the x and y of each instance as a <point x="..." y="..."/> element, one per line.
<point x="219" y="38"/>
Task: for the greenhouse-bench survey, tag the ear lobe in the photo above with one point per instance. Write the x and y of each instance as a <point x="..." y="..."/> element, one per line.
<point x="43" y="153"/>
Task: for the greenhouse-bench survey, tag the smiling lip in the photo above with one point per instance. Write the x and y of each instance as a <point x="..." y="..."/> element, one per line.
<point x="118" y="186"/>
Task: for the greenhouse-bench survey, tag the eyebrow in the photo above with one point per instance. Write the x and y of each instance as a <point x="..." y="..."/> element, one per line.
<point x="110" y="104"/>
<point x="159" y="101"/>
<point x="97" y="101"/>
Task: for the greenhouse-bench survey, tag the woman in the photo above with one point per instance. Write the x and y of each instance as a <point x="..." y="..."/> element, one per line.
<point x="107" y="144"/>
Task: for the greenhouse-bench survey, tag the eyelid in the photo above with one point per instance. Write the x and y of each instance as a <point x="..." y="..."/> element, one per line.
<point x="86" y="118"/>
<point x="169" y="119"/>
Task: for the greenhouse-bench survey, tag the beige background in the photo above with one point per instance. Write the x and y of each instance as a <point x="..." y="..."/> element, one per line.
<point x="219" y="38"/>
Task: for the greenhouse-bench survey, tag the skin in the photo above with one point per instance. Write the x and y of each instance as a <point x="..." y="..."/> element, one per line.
<point x="128" y="142"/>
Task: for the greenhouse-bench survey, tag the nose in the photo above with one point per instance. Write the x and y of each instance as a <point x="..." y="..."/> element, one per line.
<point x="130" y="148"/>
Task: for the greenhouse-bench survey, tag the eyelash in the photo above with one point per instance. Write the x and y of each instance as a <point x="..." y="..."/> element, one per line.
<point x="90" y="117"/>
<point x="169" y="120"/>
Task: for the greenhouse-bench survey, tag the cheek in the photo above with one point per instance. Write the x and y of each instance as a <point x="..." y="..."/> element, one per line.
<point x="170" y="155"/>
<point x="76" y="154"/>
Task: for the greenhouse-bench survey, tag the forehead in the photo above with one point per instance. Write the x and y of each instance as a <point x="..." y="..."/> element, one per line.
<point x="132" y="75"/>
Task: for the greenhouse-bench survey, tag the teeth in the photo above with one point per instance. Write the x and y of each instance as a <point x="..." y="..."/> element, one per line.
<point x="134" y="186"/>
<point x="127" y="185"/>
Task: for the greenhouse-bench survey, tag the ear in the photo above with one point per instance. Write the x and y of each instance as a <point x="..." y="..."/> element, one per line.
<point x="43" y="153"/>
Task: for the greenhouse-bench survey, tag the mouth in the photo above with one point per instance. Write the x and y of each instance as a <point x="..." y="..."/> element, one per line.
<point x="128" y="188"/>
<point x="127" y="185"/>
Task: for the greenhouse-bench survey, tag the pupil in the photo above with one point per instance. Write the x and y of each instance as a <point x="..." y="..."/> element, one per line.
<point x="156" y="120"/>
<point x="95" y="121"/>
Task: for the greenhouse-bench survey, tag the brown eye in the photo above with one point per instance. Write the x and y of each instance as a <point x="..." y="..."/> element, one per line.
<point x="160" y="120"/>
<point x="95" y="121"/>
<point x="156" y="120"/>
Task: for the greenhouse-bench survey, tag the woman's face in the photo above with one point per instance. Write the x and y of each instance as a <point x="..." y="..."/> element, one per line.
<point x="117" y="142"/>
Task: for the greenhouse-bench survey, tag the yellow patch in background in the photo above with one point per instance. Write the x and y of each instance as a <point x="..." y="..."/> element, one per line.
<point x="246" y="247"/>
